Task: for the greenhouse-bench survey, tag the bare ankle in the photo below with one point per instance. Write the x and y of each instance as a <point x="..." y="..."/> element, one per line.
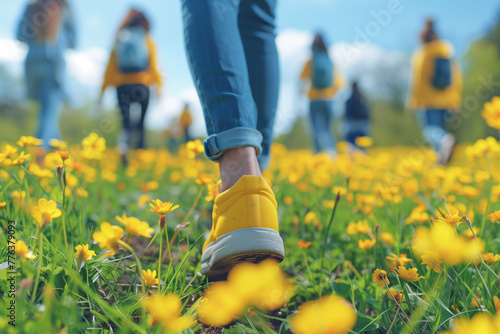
<point x="237" y="162"/>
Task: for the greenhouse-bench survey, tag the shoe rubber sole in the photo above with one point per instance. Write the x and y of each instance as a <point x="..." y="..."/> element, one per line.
<point x="252" y="244"/>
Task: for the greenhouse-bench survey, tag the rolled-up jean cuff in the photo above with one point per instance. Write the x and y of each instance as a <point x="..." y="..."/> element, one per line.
<point x="216" y="144"/>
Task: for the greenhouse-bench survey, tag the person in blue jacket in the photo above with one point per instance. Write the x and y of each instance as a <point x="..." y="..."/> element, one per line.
<point x="48" y="27"/>
<point x="357" y="116"/>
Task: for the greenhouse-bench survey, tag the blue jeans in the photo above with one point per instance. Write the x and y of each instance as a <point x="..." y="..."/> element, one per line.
<point x="43" y="86"/>
<point x="433" y="122"/>
<point x="321" y="113"/>
<point x="355" y="129"/>
<point x="234" y="62"/>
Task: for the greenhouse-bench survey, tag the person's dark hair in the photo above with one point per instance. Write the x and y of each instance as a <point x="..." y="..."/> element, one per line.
<point x="45" y="17"/>
<point x="135" y="18"/>
<point x="428" y="34"/>
<point x="356" y="92"/>
<point x="319" y="44"/>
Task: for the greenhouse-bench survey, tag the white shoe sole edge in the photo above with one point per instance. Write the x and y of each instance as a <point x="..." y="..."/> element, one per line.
<point x="245" y="240"/>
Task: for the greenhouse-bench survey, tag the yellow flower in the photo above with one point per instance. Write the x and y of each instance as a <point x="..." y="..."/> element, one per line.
<point x="9" y="156"/>
<point x="3" y="205"/>
<point x="83" y="253"/>
<point x="310" y="217"/>
<point x="328" y="315"/>
<point x="366" y="243"/>
<point x="220" y="305"/>
<point x="379" y="277"/>
<point x="166" y="310"/>
<point x="149" y="278"/>
<point x="28" y="140"/>
<point x="263" y="285"/>
<point x="364" y="141"/>
<point x="134" y="226"/>
<point x="64" y="155"/>
<point x="388" y="238"/>
<point x="93" y="147"/>
<point x="213" y="191"/>
<point x="288" y="200"/>
<point x="45" y="212"/>
<point x="18" y="197"/>
<point x="108" y="238"/>
<point x="23" y="252"/>
<point x="162" y="208"/>
<point x="407" y="274"/>
<point x="39" y="172"/>
<point x="304" y="244"/>
<point x="495" y="215"/>
<point x="453" y="219"/>
<point x="143" y="200"/>
<point x="60" y="144"/>
<point x="150" y="186"/>
<point x="490" y="258"/>
<point x="432" y="260"/>
<point x="398" y="295"/>
<point x="491" y="113"/>
<point x="496" y="300"/>
<point x="395" y="260"/>
<point x="204" y="179"/>
<point x="481" y="323"/>
<point x="359" y="227"/>
<point x="194" y="148"/>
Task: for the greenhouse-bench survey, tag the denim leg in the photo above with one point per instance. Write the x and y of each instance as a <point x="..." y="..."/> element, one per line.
<point x="124" y="102"/>
<point x="321" y="119"/>
<point x="220" y="73"/>
<point x="433" y="126"/>
<point x="143" y="100"/>
<point x="50" y="99"/>
<point x="256" y="23"/>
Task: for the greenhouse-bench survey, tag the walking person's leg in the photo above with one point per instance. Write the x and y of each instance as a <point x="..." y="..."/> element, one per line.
<point x="141" y="95"/>
<point x="245" y="222"/>
<point x="256" y="23"/>
<point x="316" y="128"/>
<point x="51" y="100"/>
<point x="124" y="101"/>
<point x="330" y="141"/>
<point x="434" y="132"/>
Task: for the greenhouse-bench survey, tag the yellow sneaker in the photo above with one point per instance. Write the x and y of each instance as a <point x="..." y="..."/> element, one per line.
<point x="244" y="227"/>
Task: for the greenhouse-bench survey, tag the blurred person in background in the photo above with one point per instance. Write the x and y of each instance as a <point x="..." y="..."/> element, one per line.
<point x="320" y="76"/>
<point x="186" y="120"/>
<point x="48" y="27"/>
<point x="357" y="116"/>
<point x="436" y="90"/>
<point x="232" y="52"/>
<point x="132" y="69"/>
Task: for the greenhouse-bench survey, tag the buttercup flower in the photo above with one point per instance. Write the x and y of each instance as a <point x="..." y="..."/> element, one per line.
<point x="166" y="310"/>
<point x="364" y="141"/>
<point x="366" y="243"/>
<point x="23" y="252"/>
<point x="330" y="314"/>
<point x="213" y="191"/>
<point x="490" y="258"/>
<point x="407" y="274"/>
<point x="83" y="253"/>
<point x="149" y="277"/>
<point x="387" y="238"/>
<point x="93" y="147"/>
<point x="64" y="155"/>
<point x="162" y="208"/>
<point x="3" y="205"/>
<point x="453" y="219"/>
<point x="107" y="238"/>
<point x="303" y="244"/>
<point x="204" y="179"/>
<point x="219" y="307"/>
<point x="491" y="113"/>
<point x="45" y="212"/>
<point x="398" y="295"/>
<point x="495" y="215"/>
<point x="395" y="260"/>
<point x="134" y="226"/>
<point x="194" y="148"/>
<point x="59" y="144"/>
<point x="432" y="260"/>
<point x="379" y="277"/>
<point x="29" y="140"/>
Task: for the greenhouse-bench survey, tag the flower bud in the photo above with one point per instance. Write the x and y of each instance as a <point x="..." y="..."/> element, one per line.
<point x="161" y="222"/>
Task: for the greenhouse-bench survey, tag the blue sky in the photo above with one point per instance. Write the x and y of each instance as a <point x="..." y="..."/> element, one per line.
<point x="341" y="20"/>
<point x="391" y="27"/>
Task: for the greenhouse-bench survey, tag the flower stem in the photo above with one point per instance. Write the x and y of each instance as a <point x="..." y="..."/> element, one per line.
<point x="307" y="266"/>
<point x="139" y="267"/>
<point x="40" y="263"/>
<point x="159" y="263"/>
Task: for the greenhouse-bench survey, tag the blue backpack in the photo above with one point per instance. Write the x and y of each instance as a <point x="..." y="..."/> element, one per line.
<point x="322" y="70"/>
<point x="442" y="73"/>
<point x="132" y="51"/>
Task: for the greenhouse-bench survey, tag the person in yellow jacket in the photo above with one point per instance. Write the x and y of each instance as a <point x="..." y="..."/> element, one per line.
<point x="132" y="70"/>
<point x="324" y="82"/>
<point x="436" y="89"/>
<point x="186" y="120"/>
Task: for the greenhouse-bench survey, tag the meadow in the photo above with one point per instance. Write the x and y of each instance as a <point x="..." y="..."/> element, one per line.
<point x="383" y="242"/>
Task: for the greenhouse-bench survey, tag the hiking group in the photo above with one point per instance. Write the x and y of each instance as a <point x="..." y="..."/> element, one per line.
<point x="235" y="68"/>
